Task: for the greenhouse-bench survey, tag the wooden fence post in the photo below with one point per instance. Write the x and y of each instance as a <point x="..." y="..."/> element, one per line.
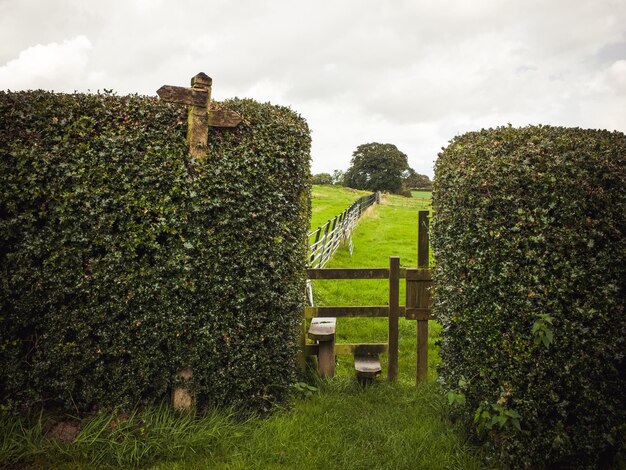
<point x="394" y="294"/>
<point x="422" y="298"/>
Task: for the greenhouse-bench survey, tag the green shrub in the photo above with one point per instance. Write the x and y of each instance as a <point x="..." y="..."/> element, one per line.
<point x="528" y="234"/>
<point x="124" y="261"/>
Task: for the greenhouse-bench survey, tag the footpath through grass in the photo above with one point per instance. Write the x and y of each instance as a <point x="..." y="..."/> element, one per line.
<point x="336" y="424"/>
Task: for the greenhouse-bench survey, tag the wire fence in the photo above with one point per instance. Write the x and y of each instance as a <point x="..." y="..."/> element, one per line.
<point x="328" y="237"/>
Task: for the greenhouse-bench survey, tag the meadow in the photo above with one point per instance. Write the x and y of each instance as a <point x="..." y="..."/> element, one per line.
<point x="334" y="423"/>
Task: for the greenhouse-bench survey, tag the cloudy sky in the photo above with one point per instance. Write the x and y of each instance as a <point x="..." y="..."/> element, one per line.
<point x="414" y="73"/>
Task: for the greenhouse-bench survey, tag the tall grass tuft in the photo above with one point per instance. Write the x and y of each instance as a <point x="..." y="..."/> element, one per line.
<point x="114" y="440"/>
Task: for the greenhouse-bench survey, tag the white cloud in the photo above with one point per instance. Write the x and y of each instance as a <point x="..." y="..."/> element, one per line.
<point x="616" y="76"/>
<point x="62" y="67"/>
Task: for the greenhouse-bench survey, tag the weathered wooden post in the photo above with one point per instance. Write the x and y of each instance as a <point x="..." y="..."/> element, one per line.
<point x="423" y="298"/>
<point x="394" y="292"/>
<point x="201" y="116"/>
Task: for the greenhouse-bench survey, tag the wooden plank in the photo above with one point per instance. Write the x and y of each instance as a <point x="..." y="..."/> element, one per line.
<point x="346" y="312"/>
<point x="394" y="302"/>
<point x="221" y="117"/>
<point x="348" y="273"/>
<point x="367" y="366"/>
<point x="420" y="274"/>
<point x="420" y="314"/>
<point x="363" y="349"/>
<point x="186" y="96"/>
<point x="322" y="329"/>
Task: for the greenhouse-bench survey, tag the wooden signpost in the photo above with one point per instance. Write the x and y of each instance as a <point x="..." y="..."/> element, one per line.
<point x="201" y="116"/>
<point x="201" y="113"/>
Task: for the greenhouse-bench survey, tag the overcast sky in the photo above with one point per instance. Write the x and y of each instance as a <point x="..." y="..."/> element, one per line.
<point x="413" y="73"/>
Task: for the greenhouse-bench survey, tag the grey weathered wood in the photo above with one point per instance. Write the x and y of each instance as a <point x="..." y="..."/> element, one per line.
<point x="346" y="312"/>
<point x="322" y="328"/>
<point x="361" y="349"/>
<point x="348" y="273"/>
<point x="222" y="117"/>
<point x="367" y="367"/>
<point x="394" y="303"/>
<point x="182" y="95"/>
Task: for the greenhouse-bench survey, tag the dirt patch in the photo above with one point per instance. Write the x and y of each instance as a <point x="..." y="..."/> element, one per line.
<point x="64" y="431"/>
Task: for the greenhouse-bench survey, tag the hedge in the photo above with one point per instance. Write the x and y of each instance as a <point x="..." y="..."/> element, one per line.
<point x="124" y="261"/>
<point x="528" y="234"/>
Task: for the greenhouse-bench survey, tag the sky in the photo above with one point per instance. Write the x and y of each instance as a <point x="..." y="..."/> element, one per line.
<point x="413" y="73"/>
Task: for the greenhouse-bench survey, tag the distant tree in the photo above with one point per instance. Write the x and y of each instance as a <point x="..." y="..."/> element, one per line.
<point x="377" y="167"/>
<point x="413" y="180"/>
<point x="339" y="177"/>
<point x="322" y="178"/>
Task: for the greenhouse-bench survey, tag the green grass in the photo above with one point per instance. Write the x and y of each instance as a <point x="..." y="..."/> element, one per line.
<point x="341" y="425"/>
<point x="422" y="194"/>
<point x="329" y="201"/>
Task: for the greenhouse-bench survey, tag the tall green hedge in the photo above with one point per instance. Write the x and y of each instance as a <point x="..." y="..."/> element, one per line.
<point x="528" y="234"/>
<point x="124" y="261"/>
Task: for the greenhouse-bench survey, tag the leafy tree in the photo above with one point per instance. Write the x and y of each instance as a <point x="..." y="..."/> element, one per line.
<point x="322" y="178"/>
<point x="413" y="180"/>
<point x="339" y="177"/>
<point x="377" y="167"/>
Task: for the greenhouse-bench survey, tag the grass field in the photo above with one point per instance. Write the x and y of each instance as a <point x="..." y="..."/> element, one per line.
<point x="333" y="424"/>
<point x="329" y="201"/>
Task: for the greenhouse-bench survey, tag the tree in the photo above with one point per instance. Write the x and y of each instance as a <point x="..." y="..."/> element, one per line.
<point x="413" y="180"/>
<point x="338" y="177"/>
<point x="377" y="167"/>
<point x="322" y="178"/>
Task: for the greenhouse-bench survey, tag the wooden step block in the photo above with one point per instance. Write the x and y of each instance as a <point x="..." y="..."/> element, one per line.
<point x="322" y="329"/>
<point x="367" y="367"/>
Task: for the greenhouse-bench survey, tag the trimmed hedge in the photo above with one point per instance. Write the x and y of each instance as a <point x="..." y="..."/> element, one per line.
<point x="528" y="234"/>
<point x="123" y="261"/>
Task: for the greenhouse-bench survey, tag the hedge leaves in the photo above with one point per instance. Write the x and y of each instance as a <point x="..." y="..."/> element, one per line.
<point x="123" y="261"/>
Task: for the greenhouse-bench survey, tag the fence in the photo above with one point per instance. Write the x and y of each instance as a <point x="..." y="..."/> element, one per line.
<point x="329" y="236"/>
<point x="418" y="305"/>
